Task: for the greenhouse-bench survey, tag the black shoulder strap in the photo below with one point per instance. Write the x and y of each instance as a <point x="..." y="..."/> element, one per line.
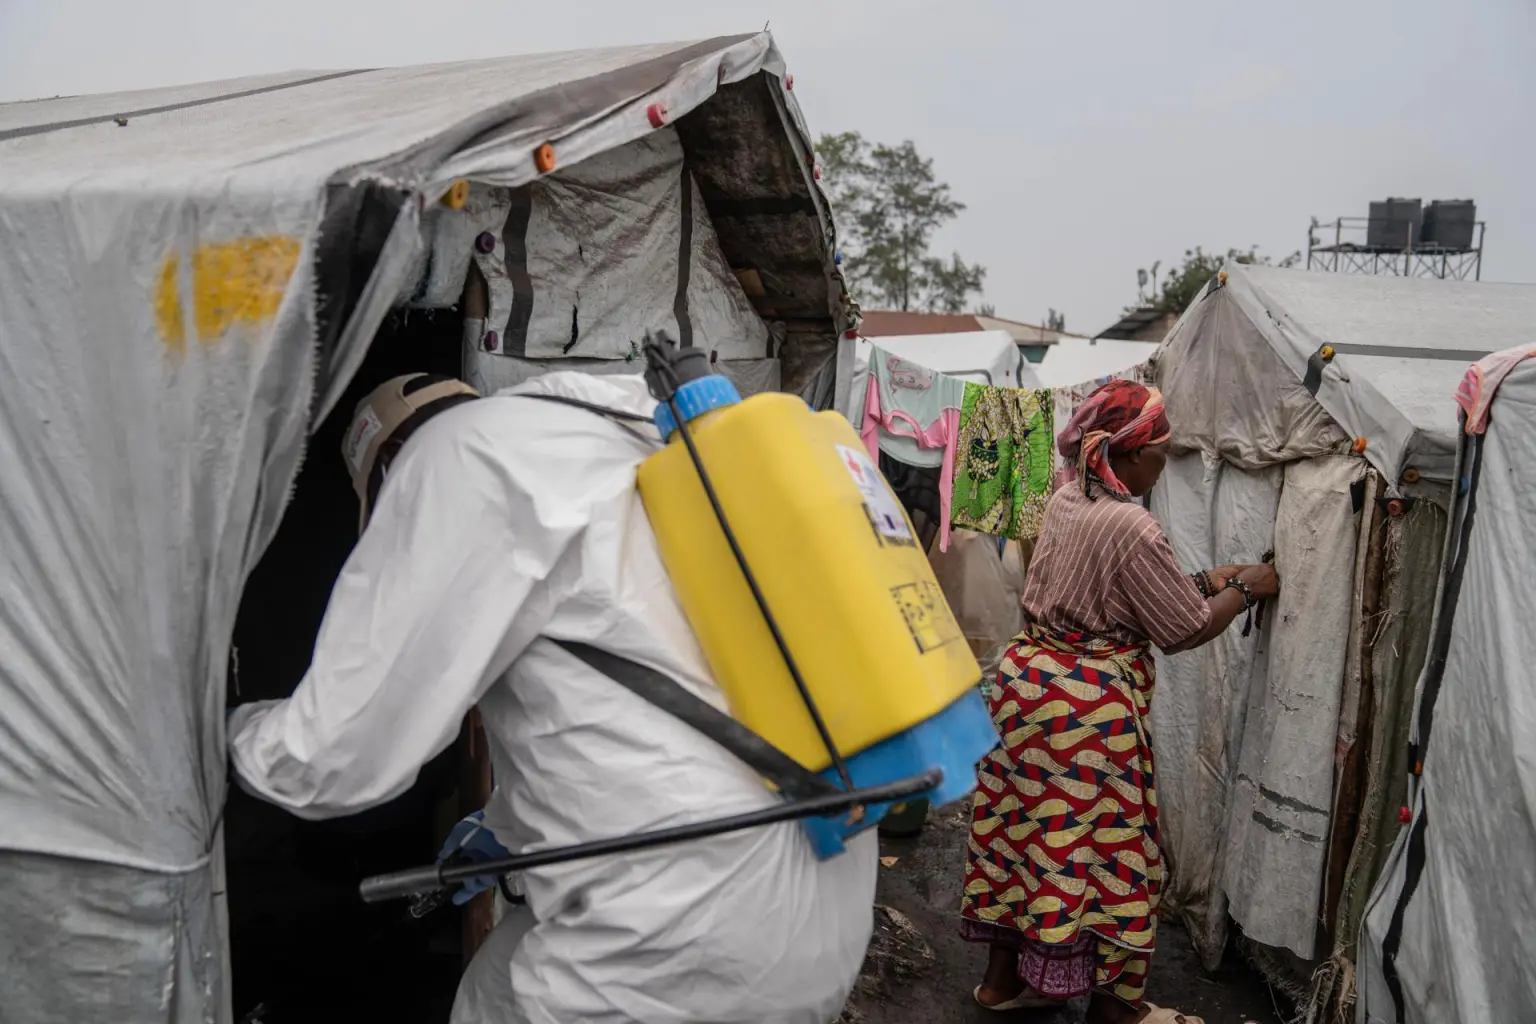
<point x="791" y="777"/>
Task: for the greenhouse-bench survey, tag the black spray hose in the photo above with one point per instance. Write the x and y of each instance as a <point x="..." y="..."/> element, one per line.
<point x="437" y="876"/>
<point x="660" y="359"/>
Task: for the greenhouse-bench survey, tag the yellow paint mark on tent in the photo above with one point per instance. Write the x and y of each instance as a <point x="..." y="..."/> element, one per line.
<point x="233" y="283"/>
<point x="240" y="282"/>
<point x="173" y="328"/>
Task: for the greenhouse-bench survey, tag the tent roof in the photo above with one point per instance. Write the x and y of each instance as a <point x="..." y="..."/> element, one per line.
<point x="292" y="124"/>
<point x="281" y="138"/>
<point x="1401" y="347"/>
<point x="1079" y="360"/>
<point x="1411" y="338"/>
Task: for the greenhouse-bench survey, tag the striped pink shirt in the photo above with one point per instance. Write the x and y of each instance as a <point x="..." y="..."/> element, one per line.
<point x="1104" y="567"/>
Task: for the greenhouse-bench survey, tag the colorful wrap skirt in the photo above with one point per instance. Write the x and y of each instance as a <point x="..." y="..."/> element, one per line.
<point x="1062" y="862"/>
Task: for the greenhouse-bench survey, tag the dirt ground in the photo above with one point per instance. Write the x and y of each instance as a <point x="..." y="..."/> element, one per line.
<point x="919" y="971"/>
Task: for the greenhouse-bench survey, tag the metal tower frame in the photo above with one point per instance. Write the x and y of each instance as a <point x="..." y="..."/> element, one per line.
<point x="1345" y="256"/>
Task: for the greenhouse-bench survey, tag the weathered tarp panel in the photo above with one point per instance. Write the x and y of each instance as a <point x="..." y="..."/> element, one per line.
<point x="182" y="295"/>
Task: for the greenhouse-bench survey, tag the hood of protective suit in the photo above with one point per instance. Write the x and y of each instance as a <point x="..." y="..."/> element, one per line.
<point x="392" y="411"/>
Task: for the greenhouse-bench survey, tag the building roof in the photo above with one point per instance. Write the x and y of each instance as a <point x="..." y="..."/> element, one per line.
<point x="1134" y="322"/>
<point x="896" y="323"/>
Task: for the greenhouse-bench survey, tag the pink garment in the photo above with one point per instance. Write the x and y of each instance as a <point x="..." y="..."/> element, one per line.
<point x="941" y="433"/>
<point x="1481" y="383"/>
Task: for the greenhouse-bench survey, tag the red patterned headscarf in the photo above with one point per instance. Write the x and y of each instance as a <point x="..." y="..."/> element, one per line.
<point x="1119" y="418"/>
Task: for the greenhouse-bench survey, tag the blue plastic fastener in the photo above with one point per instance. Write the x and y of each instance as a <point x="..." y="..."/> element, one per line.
<point x="954" y="740"/>
<point x="696" y="398"/>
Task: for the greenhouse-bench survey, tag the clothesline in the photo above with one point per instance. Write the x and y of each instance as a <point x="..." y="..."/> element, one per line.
<point x="992" y="445"/>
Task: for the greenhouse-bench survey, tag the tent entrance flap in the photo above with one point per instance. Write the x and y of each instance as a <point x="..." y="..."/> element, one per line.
<point x="300" y="943"/>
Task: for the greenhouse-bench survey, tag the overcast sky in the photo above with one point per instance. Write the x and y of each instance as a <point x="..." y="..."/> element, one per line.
<point x="1088" y="139"/>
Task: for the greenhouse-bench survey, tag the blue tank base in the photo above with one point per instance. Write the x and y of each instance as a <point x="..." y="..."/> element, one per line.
<point x="954" y="740"/>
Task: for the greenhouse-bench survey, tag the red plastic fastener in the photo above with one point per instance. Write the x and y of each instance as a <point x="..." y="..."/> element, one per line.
<point x="1394" y="508"/>
<point x="851" y="334"/>
<point x="656" y="113"/>
<point x="1404" y="815"/>
<point x="817" y="173"/>
<point x="789" y="82"/>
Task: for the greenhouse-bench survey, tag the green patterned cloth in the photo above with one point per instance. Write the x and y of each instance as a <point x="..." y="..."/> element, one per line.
<point x="1003" y="461"/>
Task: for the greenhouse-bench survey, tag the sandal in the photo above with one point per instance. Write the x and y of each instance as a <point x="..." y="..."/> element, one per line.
<point x="1029" y="999"/>
<point x="1164" y="1015"/>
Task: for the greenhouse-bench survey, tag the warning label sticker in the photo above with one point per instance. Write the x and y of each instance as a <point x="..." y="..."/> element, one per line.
<point x="885" y="512"/>
<point x="927" y="614"/>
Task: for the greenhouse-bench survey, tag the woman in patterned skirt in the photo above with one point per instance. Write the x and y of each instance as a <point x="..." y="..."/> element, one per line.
<point x="1063" y="870"/>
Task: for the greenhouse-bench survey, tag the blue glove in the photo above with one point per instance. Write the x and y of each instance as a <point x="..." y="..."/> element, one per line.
<point x="470" y="840"/>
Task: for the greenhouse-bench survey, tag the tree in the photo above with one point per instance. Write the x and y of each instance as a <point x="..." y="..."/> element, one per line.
<point x="889" y="203"/>
<point x="1182" y="286"/>
<point x="947" y="286"/>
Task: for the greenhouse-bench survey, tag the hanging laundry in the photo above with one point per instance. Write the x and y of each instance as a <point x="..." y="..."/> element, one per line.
<point x="1005" y="455"/>
<point x="912" y="413"/>
<point x="917" y="488"/>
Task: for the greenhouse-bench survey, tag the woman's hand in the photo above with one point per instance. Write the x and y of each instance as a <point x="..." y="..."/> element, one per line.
<point x="1261" y="579"/>
<point x="1219" y="577"/>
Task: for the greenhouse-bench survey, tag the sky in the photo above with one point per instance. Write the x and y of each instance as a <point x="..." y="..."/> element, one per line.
<point x="1086" y="139"/>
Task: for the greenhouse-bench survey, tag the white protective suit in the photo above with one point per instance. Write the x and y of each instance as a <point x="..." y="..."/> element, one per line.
<point x="503" y="524"/>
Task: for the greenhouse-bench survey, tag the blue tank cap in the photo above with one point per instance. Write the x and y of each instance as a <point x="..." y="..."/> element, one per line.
<point x="695" y="398"/>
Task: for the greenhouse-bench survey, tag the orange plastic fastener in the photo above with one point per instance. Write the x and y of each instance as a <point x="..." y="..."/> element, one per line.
<point x="656" y="113"/>
<point x="1410" y="475"/>
<point x="457" y="195"/>
<point x="1221" y="278"/>
<point x="1359" y="445"/>
<point x="1326" y="352"/>
<point x="544" y="158"/>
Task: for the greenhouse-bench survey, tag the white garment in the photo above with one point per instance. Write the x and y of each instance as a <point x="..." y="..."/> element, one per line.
<point x="503" y="523"/>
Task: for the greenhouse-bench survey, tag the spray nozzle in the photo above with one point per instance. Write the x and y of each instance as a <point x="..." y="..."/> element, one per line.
<point x="668" y="367"/>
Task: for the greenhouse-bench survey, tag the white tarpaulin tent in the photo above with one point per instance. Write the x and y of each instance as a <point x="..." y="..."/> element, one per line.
<point x="1077" y="360"/>
<point x="1310" y="417"/>
<point x="1447" y="938"/>
<point x="190" y="277"/>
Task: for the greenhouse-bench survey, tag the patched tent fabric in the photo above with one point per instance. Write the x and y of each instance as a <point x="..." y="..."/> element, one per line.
<point x="1310" y="418"/>
<point x="190" y="277"/>
<point x="1447" y="936"/>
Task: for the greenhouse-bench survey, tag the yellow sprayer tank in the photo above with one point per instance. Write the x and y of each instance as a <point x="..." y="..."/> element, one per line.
<point x="839" y="566"/>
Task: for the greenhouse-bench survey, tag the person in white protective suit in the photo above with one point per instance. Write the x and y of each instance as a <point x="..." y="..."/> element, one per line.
<point x="500" y="525"/>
